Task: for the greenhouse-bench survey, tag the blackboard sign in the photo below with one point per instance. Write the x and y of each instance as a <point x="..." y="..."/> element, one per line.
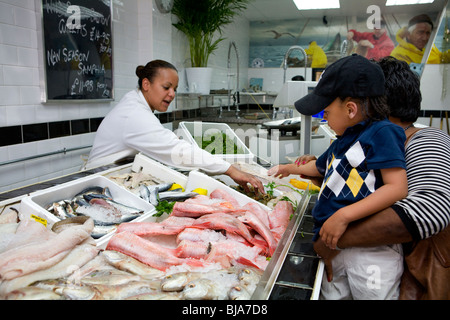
<point x="78" y="49"/>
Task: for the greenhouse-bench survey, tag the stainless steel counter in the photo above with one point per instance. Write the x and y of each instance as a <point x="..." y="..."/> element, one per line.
<point x="295" y="271"/>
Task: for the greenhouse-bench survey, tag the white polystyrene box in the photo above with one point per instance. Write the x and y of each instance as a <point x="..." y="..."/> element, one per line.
<point x="191" y="130"/>
<point x="158" y="170"/>
<point x="36" y="203"/>
<point x="200" y="180"/>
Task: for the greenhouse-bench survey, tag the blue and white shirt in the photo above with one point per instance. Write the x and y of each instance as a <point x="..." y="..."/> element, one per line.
<point x="351" y="165"/>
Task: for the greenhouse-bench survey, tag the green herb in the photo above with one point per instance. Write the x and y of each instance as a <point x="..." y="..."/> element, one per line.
<point x="163" y="207"/>
<point x="270" y="186"/>
<point x="219" y="143"/>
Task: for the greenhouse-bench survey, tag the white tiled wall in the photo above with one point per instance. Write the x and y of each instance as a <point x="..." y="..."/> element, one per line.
<point x="21" y="92"/>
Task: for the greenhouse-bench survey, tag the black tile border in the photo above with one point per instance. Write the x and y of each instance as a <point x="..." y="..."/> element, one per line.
<point x="47" y="130"/>
<point x="13" y="135"/>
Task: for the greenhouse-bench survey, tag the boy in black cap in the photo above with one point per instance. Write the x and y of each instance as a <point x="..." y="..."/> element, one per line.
<point x="363" y="172"/>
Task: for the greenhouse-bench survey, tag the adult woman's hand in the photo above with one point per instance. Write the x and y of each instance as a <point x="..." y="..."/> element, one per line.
<point x="327" y="256"/>
<point x="244" y="178"/>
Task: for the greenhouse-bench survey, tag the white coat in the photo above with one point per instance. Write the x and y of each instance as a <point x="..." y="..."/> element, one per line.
<point x="131" y="127"/>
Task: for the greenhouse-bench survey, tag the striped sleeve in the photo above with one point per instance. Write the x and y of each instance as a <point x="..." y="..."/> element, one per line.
<point x="426" y="209"/>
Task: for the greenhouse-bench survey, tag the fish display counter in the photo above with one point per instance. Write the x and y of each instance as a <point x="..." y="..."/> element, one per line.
<point x="213" y="243"/>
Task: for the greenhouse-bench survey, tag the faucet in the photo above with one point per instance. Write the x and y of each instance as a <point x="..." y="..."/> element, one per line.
<point x="236" y="94"/>
<point x="286" y="56"/>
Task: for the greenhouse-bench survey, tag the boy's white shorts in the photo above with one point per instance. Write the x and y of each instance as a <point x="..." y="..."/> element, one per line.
<point x="365" y="274"/>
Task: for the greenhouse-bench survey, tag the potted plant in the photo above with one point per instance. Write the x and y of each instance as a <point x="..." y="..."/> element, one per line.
<point x="202" y="21"/>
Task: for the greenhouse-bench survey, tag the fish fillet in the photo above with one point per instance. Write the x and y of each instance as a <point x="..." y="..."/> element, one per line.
<point x="147" y="252"/>
<point x="253" y="221"/>
<point x="73" y="261"/>
<point x="35" y="256"/>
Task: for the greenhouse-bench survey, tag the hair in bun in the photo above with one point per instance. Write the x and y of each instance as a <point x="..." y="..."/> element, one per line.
<point x="150" y="70"/>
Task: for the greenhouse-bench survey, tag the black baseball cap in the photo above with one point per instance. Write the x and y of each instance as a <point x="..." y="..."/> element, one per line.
<point x="353" y="76"/>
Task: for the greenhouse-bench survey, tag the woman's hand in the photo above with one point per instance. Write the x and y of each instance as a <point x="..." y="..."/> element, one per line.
<point x="243" y="179"/>
<point x="327" y="256"/>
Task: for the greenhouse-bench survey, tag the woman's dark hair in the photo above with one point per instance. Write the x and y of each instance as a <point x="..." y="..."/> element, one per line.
<point x="402" y="89"/>
<point x="150" y="70"/>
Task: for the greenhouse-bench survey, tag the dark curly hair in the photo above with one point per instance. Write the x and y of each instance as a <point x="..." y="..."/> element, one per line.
<point x="150" y="70"/>
<point x="402" y="89"/>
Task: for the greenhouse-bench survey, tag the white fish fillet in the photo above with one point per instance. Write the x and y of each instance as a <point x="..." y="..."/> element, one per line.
<point x="75" y="259"/>
<point x="35" y="256"/>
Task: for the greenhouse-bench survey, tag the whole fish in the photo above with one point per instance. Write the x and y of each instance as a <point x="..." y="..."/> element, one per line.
<point x="33" y="293"/>
<point x="111" y="277"/>
<point x="123" y="291"/>
<point x="249" y="276"/>
<point x="176" y="196"/>
<point x="144" y="192"/>
<point x="129" y="264"/>
<point x="200" y="289"/>
<point x="147" y="252"/>
<point x="79" y="293"/>
<point x="239" y="293"/>
<point x="102" y="230"/>
<point x="177" y="281"/>
<point x="155" y="296"/>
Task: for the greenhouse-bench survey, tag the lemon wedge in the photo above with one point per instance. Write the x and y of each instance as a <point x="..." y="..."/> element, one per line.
<point x="176" y="186"/>
<point x="201" y="191"/>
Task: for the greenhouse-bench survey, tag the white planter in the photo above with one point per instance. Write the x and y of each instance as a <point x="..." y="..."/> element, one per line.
<point x="199" y="80"/>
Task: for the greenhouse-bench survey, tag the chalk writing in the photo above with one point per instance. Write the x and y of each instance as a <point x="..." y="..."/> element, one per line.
<point x="78" y="49"/>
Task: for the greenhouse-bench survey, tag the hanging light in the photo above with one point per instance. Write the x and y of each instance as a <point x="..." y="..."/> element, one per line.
<point x="316" y="4"/>
<point x="406" y="2"/>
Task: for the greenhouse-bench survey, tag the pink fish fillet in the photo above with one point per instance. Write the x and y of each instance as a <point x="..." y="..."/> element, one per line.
<point x="145" y="229"/>
<point x="199" y="235"/>
<point x="222" y="194"/>
<point x="147" y="252"/>
<point x="253" y="221"/>
<point x="192" y="249"/>
<point x="279" y="218"/>
<point x="223" y="221"/>
<point x="259" y="211"/>
<point x="195" y="210"/>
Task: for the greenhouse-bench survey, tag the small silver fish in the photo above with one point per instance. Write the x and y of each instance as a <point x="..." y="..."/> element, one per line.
<point x="33" y="293"/>
<point x="176" y="281"/>
<point x="144" y="192"/>
<point x="249" y="276"/>
<point x="59" y="210"/>
<point x="102" y="230"/>
<point x="176" y="196"/>
<point x="239" y="293"/>
<point x="200" y="289"/>
<point x="126" y="263"/>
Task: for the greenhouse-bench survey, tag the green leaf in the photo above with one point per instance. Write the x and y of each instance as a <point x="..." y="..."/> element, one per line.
<point x="201" y="21"/>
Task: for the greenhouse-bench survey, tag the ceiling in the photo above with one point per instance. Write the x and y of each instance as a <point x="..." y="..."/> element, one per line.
<point x="265" y="10"/>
